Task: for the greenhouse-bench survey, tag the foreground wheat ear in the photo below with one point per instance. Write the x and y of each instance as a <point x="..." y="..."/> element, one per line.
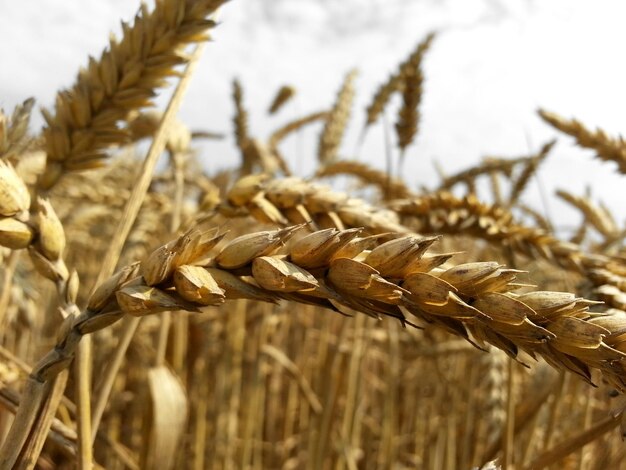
<point x="382" y="275"/>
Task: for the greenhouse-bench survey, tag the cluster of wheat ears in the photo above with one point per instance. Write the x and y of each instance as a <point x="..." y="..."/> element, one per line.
<point x="256" y="319"/>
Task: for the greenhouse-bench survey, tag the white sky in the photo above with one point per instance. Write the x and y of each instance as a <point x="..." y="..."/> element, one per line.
<point x="492" y="65"/>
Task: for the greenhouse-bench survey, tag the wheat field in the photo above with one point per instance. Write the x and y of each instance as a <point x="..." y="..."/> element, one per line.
<point x="154" y="315"/>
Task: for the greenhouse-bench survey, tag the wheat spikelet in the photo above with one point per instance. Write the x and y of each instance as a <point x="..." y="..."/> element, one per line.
<point x="391" y="187"/>
<point x="336" y="122"/>
<point x="396" y="81"/>
<point x="87" y="116"/>
<point x="283" y="95"/>
<point x="607" y="148"/>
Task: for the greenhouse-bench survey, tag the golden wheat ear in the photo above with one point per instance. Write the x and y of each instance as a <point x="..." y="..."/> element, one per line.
<point x="14" y="139"/>
<point x="90" y="117"/>
<point x="609" y="149"/>
<point x="332" y="269"/>
<point x="284" y="94"/>
<point x="397" y="83"/>
<point x="336" y="122"/>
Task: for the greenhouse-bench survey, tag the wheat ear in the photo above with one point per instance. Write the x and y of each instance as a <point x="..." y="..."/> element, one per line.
<point x="336" y="122"/>
<point x="87" y="117"/>
<point x="14" y="138"/>
<point x="599" y="217"/>
<point x="294" y="201"/>
<point x="409" y="116"/>
<point x="444" y="213"/>
<point x="284" y="94"/>
<point x="396" y="81"/>
<point x="488" y="166"/>
<point x="340" y="271"/>
<point x="240" y="120"/>
<point x="610" y="149"/>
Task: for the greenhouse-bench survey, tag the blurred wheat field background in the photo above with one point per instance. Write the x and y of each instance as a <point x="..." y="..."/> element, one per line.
<point x="156" y="312"/>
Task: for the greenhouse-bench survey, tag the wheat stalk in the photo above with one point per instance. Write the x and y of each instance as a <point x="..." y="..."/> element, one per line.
<point x="530" y="169"/>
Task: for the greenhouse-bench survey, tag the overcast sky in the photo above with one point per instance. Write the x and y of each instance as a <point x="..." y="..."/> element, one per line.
<point x="492" y="65"/>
